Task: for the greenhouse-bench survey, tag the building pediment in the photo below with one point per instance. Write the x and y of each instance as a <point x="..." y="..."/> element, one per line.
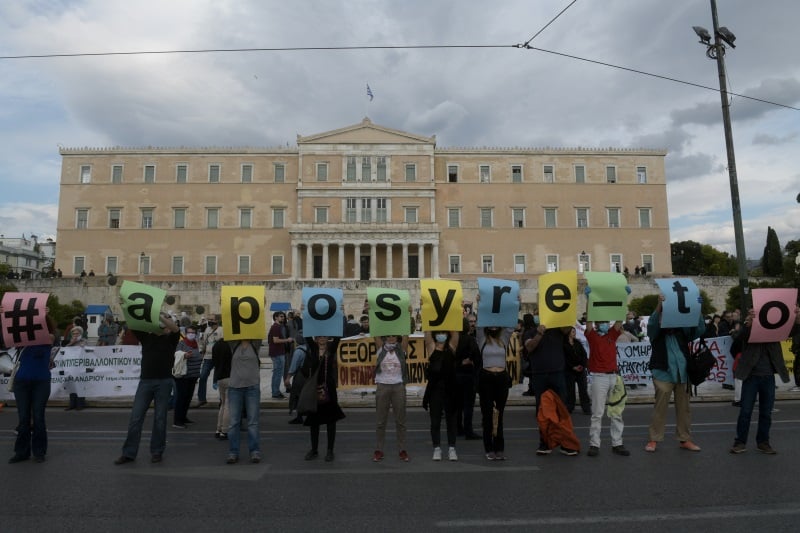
<point x="365" y="132"/>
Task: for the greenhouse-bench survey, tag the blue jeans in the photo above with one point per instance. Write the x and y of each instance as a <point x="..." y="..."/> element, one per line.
<point x="31" y="396"/>
<point x="158" y="390"/>
<point x="250" y="397"/>
<point x="278" y="363"/>
<point x="764" y="388"/>
<point x="205" y="371"/>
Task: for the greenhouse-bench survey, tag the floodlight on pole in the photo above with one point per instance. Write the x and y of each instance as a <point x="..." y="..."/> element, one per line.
<point x="716" y="51"/>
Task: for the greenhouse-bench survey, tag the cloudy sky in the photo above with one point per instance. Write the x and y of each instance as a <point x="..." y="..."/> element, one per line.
<point x="489" y="96"/>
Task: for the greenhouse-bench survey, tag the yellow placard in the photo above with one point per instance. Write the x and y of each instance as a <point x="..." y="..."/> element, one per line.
<point x="243" y="312"/>
<point x="441" y="305"/>
<point x="558" y="299"/>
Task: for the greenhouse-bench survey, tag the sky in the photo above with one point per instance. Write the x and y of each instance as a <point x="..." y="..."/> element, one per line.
<point x="491" y="93"/>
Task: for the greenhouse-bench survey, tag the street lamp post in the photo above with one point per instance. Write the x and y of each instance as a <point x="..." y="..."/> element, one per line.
<point x="716" y="50"/>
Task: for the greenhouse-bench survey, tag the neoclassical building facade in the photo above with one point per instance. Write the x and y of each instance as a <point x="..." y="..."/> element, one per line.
<point x="363" y="202"/>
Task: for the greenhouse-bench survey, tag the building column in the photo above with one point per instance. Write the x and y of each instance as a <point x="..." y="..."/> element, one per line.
<point x="309" y="260"/>
<point x="389" y="266"/>
<point x="405" y="259"/>
<point x="295" y="261"/>
<point x="435" y="261"/>
<point x="325" y="262"/>
<point x="341" y="260"/>
<point x="373" y="261"/>
<point x="421" y="259"/>
<point x="357" y="260"/>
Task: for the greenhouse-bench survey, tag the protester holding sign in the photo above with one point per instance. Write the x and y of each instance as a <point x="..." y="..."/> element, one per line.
<point x="493" y="384"/>
<point x="244" y="390"/>
<point x="320" y="362"/>
<point x="155" y="385"/>
<point x="391" y="376"/>
<point x="668" y="365"/>
<point x="441" y="393"/>
<point x="757" y="366"/>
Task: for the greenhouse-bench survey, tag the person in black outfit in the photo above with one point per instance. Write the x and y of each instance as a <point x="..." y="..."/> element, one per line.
<point x="441" y="392"/>
<point x="467" y="364"/>
<point x="322" y="355"/>
<point x="575" y="373"/>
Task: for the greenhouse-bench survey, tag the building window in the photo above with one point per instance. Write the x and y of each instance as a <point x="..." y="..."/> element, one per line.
<point x="454" y="217"/>
<point x="78" y="264"/>
<point x="550" y="217"/>
<point x="247" y="173"/>
<point x="485" y="173"/>
<point x="144" y="264"/>
<point x="111" y="264"/>
<point x="613" y="217"/>
<point x="350" y="171"/>
<point x="551" y="260"/>
<point x="611" y="174"/>
<point x="455" y="264"/>
<point x="411" y="172"/>
<point x="366" y="168"/>
<point x="177" y="264"/>
<point x="114" y="217"/>
<point x="213" y="173"/>
<point x="641" y="174"/>
<point x="149" y="173"/>
<point x="647" y="262"/>
<point x="244" y="264"/>
<point x="278" y="217"/>
<point x="277" y="264"/>
<point x="366" y="210"/>
<point x="582" y="216"/>
<point x="452" y="173"/>
<point x="411" y="215"/>
<point x="486" y="217"/>
<point x="147" y="217"/>
<point x="580" y="174"/>
<point x="246" y="218"/>
<point x="116" y="174"/>
<point x="487" y="264"/>
<point x="616" y="263"/>
<point x="381" y="211"/>
<point x="519" y="264"/>
<point x="86" y="174"/>
<point x="381" y="168"/>
<point x="584" y="262"/>
<point x="181" y="173"/>
<point x="516" y="173"/>
<point x="644" y="217"/>
<point x="211" y="264"/>
<point x="322" y="171"/>
<point x="350" y="213"/>
<point x="212" y="217"/>
<point x="548" y="174"/>
<point x="279" y="169"/>
<point x="179" y="218"/>
<point x="518" y="217"/>
<point x="321" y="215"/>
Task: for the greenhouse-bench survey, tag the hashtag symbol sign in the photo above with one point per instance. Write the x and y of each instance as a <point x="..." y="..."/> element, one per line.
<point x="21" y="321"/>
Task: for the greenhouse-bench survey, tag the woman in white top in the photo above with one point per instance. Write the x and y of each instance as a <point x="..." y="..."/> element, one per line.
<point x="391" y="376"/>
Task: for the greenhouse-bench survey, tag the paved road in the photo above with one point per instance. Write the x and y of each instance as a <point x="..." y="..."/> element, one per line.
<point x="80" y="489"/>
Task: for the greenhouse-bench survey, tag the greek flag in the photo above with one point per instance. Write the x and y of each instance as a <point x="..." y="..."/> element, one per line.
<point x="369" y="93"/>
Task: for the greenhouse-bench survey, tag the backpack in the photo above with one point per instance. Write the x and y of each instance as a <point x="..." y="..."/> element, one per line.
<point x="699" y="362"/>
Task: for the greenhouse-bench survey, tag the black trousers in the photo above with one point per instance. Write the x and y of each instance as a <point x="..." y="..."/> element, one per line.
<point x="493" y="387"/>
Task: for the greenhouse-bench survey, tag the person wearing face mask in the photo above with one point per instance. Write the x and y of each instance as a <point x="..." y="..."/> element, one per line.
<point x="391" y="376"/>
<point x="493" y="384"/>
<point x="322" y="355"/>
<point x="184" y="386"/>
<point x="441" y="392"/>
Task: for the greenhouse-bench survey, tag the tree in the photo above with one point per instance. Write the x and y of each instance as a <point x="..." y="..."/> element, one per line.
<point x="772" y="260"/>
<point x="791" y="270"/>
<point x="690" y="258"/>
<point x="645" y="305"/>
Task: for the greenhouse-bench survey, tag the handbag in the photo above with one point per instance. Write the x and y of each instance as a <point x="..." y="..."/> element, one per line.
<point x="6" y="363"/>
<point x="307" y="403"/>
<point x="179" y="365"/>
<point x="14" y="370"/>
<point x="699" y="362"/>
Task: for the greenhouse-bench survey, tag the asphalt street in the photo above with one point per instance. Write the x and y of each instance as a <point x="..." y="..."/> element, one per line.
<point x="79" y="488"/>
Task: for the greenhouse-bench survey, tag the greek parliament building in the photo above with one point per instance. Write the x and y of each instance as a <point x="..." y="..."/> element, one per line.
<point x="364" y="202"/>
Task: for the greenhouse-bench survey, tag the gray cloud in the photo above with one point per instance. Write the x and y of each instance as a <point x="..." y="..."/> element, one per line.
<point x="774" y="140"/>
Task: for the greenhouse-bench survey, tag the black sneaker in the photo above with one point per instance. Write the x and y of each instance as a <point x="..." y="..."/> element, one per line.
<point x="621" y="450"/>
<point x="156" y="458"/>
<point x="569" y="451"/>
<point x="593" y="451"/>
<point x="179" y="426"/>
<point x="123" y="459"/>
<point x="311" y="455"/>
<point x="543" y="450"/>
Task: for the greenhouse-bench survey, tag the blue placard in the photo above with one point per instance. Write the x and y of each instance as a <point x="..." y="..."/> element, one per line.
<point x="499" y="302"/>
<point x="682" y="305"/>
<point x="323" y="315"/>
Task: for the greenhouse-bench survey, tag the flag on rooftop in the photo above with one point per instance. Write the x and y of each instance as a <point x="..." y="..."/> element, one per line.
<point x="369" y="93"/>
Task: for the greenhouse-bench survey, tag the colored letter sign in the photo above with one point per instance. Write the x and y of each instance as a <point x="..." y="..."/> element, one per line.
<point x="141" y="305"/>
<point x="558" y="299"/>
<point x="681" y="307"/>
<point x="499" y="302"/>
<point x="23" y="319"/>
<point x="388" y="312"/>
<point x="608" y="297"/>
<point x="441" y="305"/>
<point x="322" y="312"/>
<point x="775" y="314"/>
<point x="243" y="314"/>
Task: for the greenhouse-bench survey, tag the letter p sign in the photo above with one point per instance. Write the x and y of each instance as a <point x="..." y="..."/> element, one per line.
<point x="243" y="312"/>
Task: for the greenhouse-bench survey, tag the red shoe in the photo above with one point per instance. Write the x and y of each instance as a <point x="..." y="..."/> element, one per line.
<point x="404" y="456"/>
<point x="377" y="456"/>
<point x="689" y="445"/>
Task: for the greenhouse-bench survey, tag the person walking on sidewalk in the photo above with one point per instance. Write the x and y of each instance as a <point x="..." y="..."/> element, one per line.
<point x="757" y="366"/>
<point x="668" y="366"/>
<point x="279" y="344"/>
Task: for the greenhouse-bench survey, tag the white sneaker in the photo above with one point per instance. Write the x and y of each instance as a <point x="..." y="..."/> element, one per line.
<point x="794" y="389"/>
<point x="451" y="454"/>
<point x="437" y="454"/>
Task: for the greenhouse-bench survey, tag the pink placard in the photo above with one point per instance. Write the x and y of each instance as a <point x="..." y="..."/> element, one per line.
<point x="22" y="320"/>
<point x="775" y="314"/>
